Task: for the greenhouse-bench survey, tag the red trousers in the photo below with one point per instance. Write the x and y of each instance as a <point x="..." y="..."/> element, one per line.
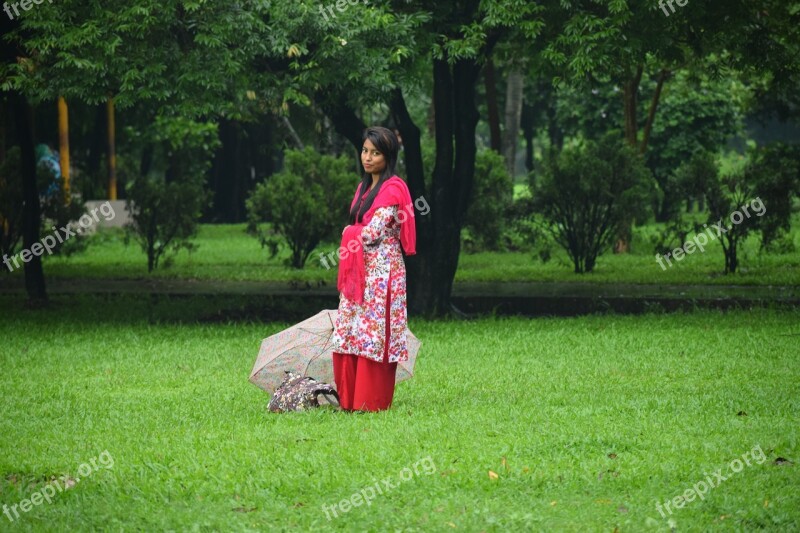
<point x="364" y="384"/>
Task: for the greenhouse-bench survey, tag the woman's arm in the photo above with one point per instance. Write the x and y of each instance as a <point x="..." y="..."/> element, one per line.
<point x="373" y="232"/>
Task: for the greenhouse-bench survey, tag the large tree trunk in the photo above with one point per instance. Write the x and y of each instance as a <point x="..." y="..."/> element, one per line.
<point x="514" y="87"/>
<point x="432" y="272"/>
<point x="31" y="219"/>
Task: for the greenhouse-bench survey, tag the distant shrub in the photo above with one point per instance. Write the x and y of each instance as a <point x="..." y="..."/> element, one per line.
<point x="304" y="204"/>
<point x="589" y="193"/>
<point x="488" y="214"/>
<point x="166" y="205"/>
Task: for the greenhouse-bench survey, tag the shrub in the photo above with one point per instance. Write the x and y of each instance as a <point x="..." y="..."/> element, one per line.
<point x="165" y="205"/>
<point x="487" y="216"/>
<point x="775" y="171"/>
<point x="724" y="194"/>
<point x="588" y="193"/>
<point x="304" y="204"/>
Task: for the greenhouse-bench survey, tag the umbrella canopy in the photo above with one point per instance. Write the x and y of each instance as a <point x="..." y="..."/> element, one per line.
<point x="307" y="349"/>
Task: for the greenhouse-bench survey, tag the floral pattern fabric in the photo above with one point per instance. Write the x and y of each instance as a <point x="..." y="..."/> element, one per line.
<point x="360" y="329"/>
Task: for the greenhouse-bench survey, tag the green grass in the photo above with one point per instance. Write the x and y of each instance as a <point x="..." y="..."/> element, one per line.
<point x="227" y="253"/>
<point x="587" y="422"/>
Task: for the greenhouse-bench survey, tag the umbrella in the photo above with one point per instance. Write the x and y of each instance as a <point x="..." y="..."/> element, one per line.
<point x="306" y="348"/>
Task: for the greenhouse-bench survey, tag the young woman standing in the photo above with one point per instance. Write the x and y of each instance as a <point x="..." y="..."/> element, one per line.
<point x="369" y="335"/>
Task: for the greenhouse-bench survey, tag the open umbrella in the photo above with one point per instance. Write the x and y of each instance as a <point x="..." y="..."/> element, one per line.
<point x="306" y="348"/>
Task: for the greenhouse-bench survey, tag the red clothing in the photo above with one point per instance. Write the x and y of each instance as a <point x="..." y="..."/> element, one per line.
<point x="364" y="384"/>
<point x="393" y="192"/>
<point x="370" y="331"/>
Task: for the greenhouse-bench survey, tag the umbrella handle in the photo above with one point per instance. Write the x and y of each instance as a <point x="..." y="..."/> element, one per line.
<point x="334" y="394"/>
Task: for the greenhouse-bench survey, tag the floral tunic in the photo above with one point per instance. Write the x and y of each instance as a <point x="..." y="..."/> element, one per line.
<point x="362" y="329"/>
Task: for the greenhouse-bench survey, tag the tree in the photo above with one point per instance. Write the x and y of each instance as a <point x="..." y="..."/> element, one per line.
<point x="587" y="193"/>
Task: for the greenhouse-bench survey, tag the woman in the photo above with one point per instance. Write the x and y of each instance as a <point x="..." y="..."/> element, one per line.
<point x="369" y="335"/>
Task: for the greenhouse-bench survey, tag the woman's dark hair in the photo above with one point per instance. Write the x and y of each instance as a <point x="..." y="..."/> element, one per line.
<point x="385" y="141"/>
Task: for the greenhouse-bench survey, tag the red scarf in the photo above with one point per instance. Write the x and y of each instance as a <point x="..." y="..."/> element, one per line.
<point x="352" y="273"/>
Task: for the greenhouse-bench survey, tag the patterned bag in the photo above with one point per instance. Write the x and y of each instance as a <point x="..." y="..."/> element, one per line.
<point x="300" y="393"/>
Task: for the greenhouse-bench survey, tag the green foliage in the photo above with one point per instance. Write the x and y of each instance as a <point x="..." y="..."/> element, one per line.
<point x="486" y="217"/>
<point x="775" y="171"/>
<point x="303" y="204"/>
<point x="166" y="207"/>
<point x="695" y="114"/>
<point x="588" y="193"/>
<point x="725" y="194"/>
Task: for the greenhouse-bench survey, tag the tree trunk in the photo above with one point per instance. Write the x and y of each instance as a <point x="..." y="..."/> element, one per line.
<point x="651" y="116"/>
<point x="432" y="272"/>
<point x="526" y="123"/>
<point x="630" y="89"/>
<point x="490" y="85"/>
<point x="112" y="150"/>
<point x="63" y="143"/>
<point x="31" y="218"/>
<point x="344" y="118"/>
<point x="513" y="111"/>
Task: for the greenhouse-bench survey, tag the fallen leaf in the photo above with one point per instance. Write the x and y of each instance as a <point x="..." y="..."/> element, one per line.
<point x="504" y="463"/>
<point x="492" y="475"/>
<point x="612" y="456"/>
<point x="781" y="461"/>
<point x="451" y="524"/>
<point x="243" y="509"/>
<point x="766" y="504"/>
<point x="525" y="469"/>
<point x="553" y="503"/>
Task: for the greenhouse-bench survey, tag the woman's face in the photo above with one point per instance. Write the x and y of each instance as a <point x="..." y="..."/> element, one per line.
<point x="371" y="158"/>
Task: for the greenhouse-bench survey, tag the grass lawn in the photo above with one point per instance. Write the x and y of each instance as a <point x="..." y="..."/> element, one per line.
<point x="509" y="425"/>
<point x="226" y="252"/>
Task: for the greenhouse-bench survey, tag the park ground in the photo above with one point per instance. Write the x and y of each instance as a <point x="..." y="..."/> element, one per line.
<point x="510" y="424"/>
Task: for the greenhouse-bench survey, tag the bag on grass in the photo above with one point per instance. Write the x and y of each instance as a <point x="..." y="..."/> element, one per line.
<point x="300" y="393"/>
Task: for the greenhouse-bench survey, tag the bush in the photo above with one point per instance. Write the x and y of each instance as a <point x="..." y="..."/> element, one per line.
<point x="775" y="171"/>
<point x="724" y="194"/>
<point x="487" y="216"/>
<point x="589" y="193"/>
<point x="165" y="205"/>
<point x="304" y="204"/>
